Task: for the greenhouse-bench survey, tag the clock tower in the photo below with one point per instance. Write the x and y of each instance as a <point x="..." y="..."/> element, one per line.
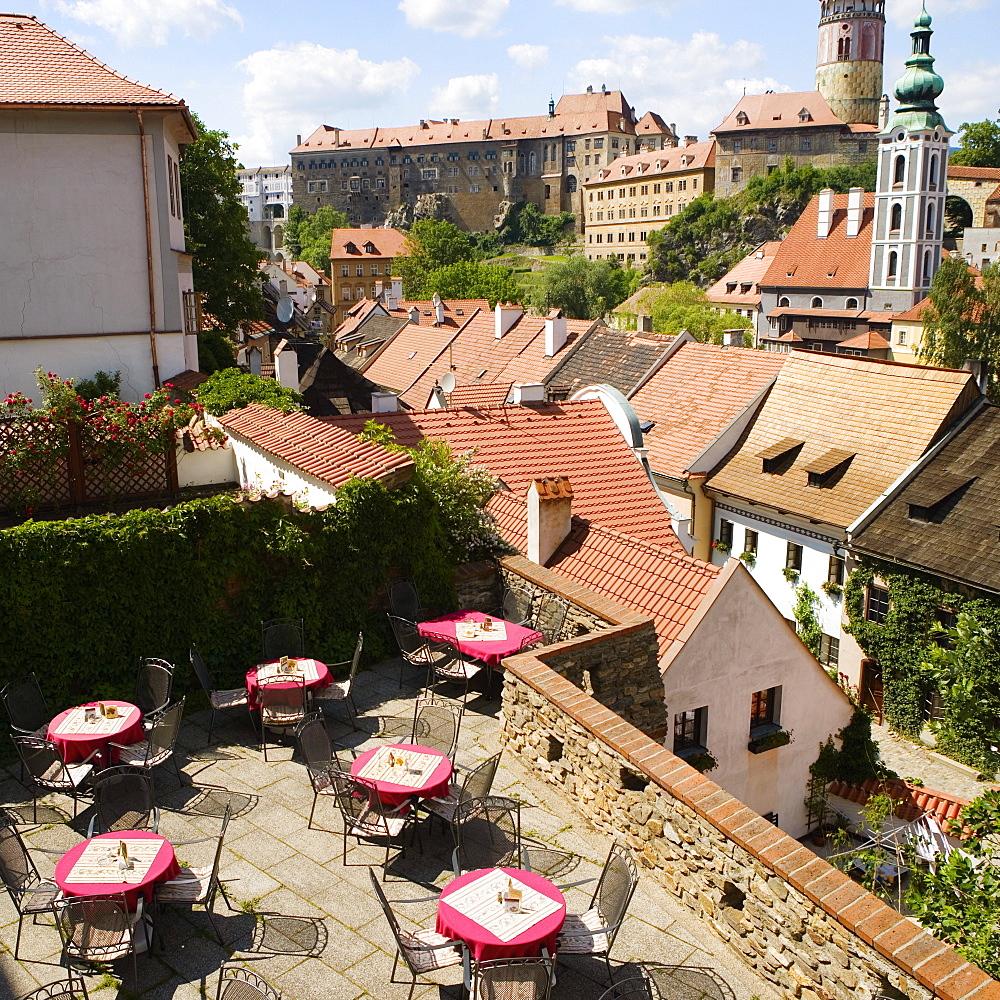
<point x="849" y="60"/>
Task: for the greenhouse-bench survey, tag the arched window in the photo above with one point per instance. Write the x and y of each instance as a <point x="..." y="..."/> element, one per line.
<point x="895" y="218"/>
<point x="570" y="184"/>
<point x="893" y="268"/>
<point x="783" y="301"/>
<point x="899" y="170"/>
<point x="531" y="162"/>
<point x="934" y="172"/>
<point x="927" y="267"/>
<point x="817" y="302"/>
<point x="931" y="220"/>
<point x="851" y="304"/>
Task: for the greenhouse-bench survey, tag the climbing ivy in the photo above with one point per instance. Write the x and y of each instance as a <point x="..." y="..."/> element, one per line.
<point x="810" y="630"/>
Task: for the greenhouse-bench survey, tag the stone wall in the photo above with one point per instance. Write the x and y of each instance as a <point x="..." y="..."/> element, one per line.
<point x="805" y="926"/>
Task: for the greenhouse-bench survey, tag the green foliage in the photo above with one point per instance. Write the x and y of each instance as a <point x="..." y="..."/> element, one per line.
<point x="584" y="289"/>
<point x="827" y="765"/>
<point x="472" y="280"/>
<point x="527" y="226"/>
<point x="682" y="306"/>
<point x="231" y="389"/>
<point x="226" y="263"/>
<point x="859" y="758"/>
<point x="810" y="630"/>
<point x="790" y="574"/>
<point x="102" y="384"/>
<point x="308" y="237"/>
<point x="703" y="762"/>
<point x="431" y="244"/>
<point x="980" y="144"/>
<point x="215" y="351"/>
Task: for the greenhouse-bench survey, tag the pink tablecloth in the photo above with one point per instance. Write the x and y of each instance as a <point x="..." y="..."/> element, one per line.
<point x="79" y="746"/>
<point x="390" y="794"/>
<point x="482" y="943"/>
<point x="490" y="652"/>
<point x="323" y="679"/>
<point x="163" y="868"/>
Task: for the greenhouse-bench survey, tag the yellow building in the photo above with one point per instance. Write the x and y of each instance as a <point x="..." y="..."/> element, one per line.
<point x="358" y="259"/>
<point x="631" y="197"/>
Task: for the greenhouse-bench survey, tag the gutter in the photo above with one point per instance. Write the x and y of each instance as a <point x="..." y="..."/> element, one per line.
<point x="149" y="249"/>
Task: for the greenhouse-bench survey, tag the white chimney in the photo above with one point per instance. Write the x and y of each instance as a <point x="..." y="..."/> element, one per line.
<point x="378" y="289"/>
<point x="384" y="402"/>
<point x="438" y="309"/>
<point x="506" y="314"/>
<point x="395" y="293"/>
<point x="528" y="392"/>
<point x="550" y="516"/>
<point x="555" y="333"/>
<point x="855" y="203"/>
<point x="286" y="366"/>
<point x="414" y="314"/>
<point x="733" y="338"/>
<point x="824" y="221"/>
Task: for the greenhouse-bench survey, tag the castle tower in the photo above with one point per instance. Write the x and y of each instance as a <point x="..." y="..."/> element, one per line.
<point x="912" y="183"/>
<point x="849" y="60"/>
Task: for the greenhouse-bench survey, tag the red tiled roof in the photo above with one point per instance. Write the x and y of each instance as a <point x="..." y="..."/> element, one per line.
<point x="960" y="173"/>
<point x="694" y="395"/>
<point x="913" y="801"/>
<point x="750" y="271"/>
<point x="914" y="313"/>
<point x="195" y="436"/>
<point x="675" y="160"/>
<point x="456" y="311"/>
<point x="837" y="261"/>
<point x="479" y="395"/>
<point x="868" y="341"/>
<point x="387" y="243"/>
<point x="767" y="111"/>
<point x="326" y="452"/>
<point x="186" y="380"/>
<point x="518" y="444"/>
<point x="39" y="66"/>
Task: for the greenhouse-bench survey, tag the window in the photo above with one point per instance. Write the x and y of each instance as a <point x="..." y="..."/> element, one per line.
<point x="829" y="650"/>
<point x="192" y="312"/>
<point x="682" y="185"/>
<point x="359" y="270"/>
<point x="726" y="533"/>
<point x="893" y="268"/>
<point x="772" y="145"/>
<point x="690" y="730"/>
<point x="170" y="182"/>
<point x="895" y="218"/>
<point x="429" y="173"/>
<point x="901" y="340"/>
<point x="793" y="556"/>
<point x="316" y="187"/>
<point x="374" y="270"/>
<point x="473" y="189"/>
<point x="817" y="303"/>
<point x="835" y="572"/>
<point x="750" y="540"/>
<point x="346" y="293"/>
<point x="737" y="174"/>
<point x="783" y="302"/>
<point x="877" y="604"/>
<point x="737" y="146"/>
<point x="345" y="270"/>
<point x="806" y="145"/>
<point x="851" y="304"/>
<point x="764" y="708"/>
<point x="899" y="170"/>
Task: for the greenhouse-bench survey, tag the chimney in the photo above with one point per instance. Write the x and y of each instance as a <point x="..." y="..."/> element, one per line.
<point x="883" y="112"/>
<point x="855" y="201"/>
<point x="604" y="89"/>
<point x="824" y="221"/>
<point x="378" y="289"/>
<point x="690" y="140"/>
<point x="423" y="123"/>
<point x="733" y="338"/>
<point x="438" y="310"/>
<point x="643" y="323"/>
<point x="395" y="293"/>
<point x="336" y="136"/>
<point x="550" y="516"/>
<point x="298" y="140"/>
<point x="555" y="333"/>
<point x="286" y="366"/>
<point x="506" y="314"/>
<point x="384" y="402"/>
<point x="528" y="393"/>
<point x="978" y="369"/>
<point x="414" y="315"/>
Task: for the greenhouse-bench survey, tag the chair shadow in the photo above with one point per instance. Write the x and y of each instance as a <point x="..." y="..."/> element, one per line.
<point x="208" y="800"/>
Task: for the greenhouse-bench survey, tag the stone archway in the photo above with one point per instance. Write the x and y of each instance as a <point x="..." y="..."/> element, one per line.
<point x="958" y="215"/>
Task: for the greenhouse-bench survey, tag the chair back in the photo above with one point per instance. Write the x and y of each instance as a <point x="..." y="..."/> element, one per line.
<point x="71" y="988"/>
<point x="436" y="723"/>
<point x="282" y="637"/>
<point x="391" y="918"/>
<point x="153" y="684"/>
<point x="514" y="979"/>
<point x="25" y="704"/>
<point x="238" y="983"/>
<point x="43" y="761"/>
<point x="634" y="988"/>
<point x="282" y="700"/>
<point x="489" y="835"/>
<point x="353" y="798"/>
<point x="163" y="735"/>
<point x="516" y="607"/>
<point x="404" y="601"/>
<point x="314" y="742"/>
<point x="124" y="799"/>
<point x="615" y="889"/>
<point x="213" y="886"/>
<point x="201" y="671"/>
<point x="356" y="659"/>
<point x="91" y="926"/>
<point x="479" y="781"/>
<point x="16" y="866"/>
<point x="549" y="620"/>
<point x="412" y="644"/>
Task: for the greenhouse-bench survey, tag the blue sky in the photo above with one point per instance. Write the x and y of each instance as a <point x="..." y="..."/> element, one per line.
<point x="266" y="71"/>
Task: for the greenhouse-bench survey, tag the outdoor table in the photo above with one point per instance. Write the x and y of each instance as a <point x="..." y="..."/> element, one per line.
<point x="316" y="676"/>
<point x="448" y="628"/>
<point x="398" y="786"/>
<point x="80" y="739"/>
<point x="470" y="901"/>
<point x="104" y="878"/>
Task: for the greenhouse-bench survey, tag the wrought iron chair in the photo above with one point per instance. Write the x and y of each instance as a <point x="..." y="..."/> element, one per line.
<point x="71" y="988"/>
<point x="413" y="647"/>
<point x="404" y="600"/>
<point x="220" y="700"/>
<point x="422" y="951"/>
<point x="158" y="746"/>
<point x="25" y="706"/>
<point x="461" y="795"/>
<point x="448" y="665"/>
<point x="198" y="886"/>
<point x="99" y="929"/>
<point x="549" y="618"/>
<point x="153" y="684"/>
<point x="322" y="759"/>
<point x="594" y="932"/>
<point x="340" y="691"/>
<point x="366" y="819"/>
<point x="436" y="724"/>
<point x="282" y="637"/>
<point x="44" y="764"/>
<point x="633" y="988"/>
<point x="238" y="983"/>
<point x="281" y="704"/>
<point x="513" y="979"/>
<point x="515" y="607"/>
<point x="28" y="891"/>
<point x="124" y="799"/>
<point x="489" y="835"/>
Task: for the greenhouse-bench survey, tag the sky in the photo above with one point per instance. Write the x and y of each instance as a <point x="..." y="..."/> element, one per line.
<point x="265" y="72"/>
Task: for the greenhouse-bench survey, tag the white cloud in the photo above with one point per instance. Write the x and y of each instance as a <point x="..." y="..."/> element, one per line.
<point x="618" y="7"/>
<point x="467" y="97"/>
<point x="970" y="95"/>
<point x="904" y="12"/>
<point x="468" y="18"/>
<point x="276" y="109"/>
<point x="529" y="57"/>
<point x="694" y="83"/>
<point x="150" y="22"/>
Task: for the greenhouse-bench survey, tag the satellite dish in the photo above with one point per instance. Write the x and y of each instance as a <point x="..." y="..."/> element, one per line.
<point x="286" y="308"/>
<point x="448" y="382"/>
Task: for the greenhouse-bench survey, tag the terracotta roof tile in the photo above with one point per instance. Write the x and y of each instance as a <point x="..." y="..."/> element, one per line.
<point x="868" y="341"/>
<point x="912" y="801"/>
<point x="495" y="394"/>
<point x="456" y="311"/>
<point x="656" y="163"/>
<point x="748" y="271"/>
<point x="960" y="173"/>
<point x="771" y="111"/>
<point x="186" y="380"/>
<point x="387" y="243"/>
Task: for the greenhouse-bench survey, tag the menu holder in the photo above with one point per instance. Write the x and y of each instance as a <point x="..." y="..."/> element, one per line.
<point x="489" y="901"/>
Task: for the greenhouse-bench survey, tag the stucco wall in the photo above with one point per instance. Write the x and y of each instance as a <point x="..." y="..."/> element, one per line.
<point x="257" y="468"/>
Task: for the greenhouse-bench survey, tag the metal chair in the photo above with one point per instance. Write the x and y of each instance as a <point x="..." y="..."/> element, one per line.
<point x="404" y="600"/>
<point x="71" y="988"/>
<point x="220" y="700"/>
<point x="198" y="886"/>
<point x="549" y="618"/>
<point x="515" y="607"/>
<point x="281" y="704"/>
<point x="633" y="988"/>
<point x="422" y="951"/>
<point x="489" y="835"/>
<point x="153" y="684"/>
<point x="44" y="764"/>
<point x="124" y="800"/>
<point x="341" y="690"/>
<point x="158" y="746"/>
<point x="448" y="665"/>
<point x="594" y="932"/>
<point x="365" y="818"/>
<point x="513" y="979"/>
<point x="98" y="929"/>
<point x="413" y="647"/>
<point x="475" y="785"/>
<point x="436" y="724"/>
<point x="238" y="983"/>
<point x="282" y="637"/>
<point x="28" y="891"/>
<point x="322" y="759"/>
<point x="25" y="706"/>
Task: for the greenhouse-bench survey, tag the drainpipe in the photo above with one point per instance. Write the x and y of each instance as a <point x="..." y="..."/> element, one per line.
<point x="701" y="518"/>
<point x="149" y="251"/>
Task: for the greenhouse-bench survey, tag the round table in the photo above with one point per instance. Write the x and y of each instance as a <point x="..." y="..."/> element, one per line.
<point x="485" y="945"/>
<point x="321" y="679"/>
<point x="77" y="746"/>
<point x="163" y="868"/>
<point x="436" y="785"/>
<point x="488" y="651"/>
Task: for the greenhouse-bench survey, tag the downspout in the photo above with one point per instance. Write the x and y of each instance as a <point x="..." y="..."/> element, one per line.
<point x="149" y="251"/>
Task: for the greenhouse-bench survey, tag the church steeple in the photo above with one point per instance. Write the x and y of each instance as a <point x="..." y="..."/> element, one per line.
<point x="919" y="86"/>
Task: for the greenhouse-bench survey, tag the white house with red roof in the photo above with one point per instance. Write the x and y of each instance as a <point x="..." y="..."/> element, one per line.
<point x="93" y="269"/>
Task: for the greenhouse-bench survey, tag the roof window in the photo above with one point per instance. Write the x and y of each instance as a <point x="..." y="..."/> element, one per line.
<point x="827" y="470"/>
<point x="778" y="457"/>
<point x="931" y="500"/>
<point x="805" y="115"/>
<point x="743" y="118"/>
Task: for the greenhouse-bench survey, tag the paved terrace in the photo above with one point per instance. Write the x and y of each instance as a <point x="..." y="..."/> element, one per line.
<point x="341" y="948"/>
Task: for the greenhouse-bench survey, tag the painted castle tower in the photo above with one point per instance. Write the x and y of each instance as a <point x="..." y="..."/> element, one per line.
<point x="849" y="60"/>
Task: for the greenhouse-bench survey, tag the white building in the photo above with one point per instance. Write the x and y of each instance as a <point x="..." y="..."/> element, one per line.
<point x="267" y="197"/>
<point x="93" y="269"/>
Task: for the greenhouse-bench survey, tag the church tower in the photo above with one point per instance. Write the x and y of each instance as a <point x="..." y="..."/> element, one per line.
<point x="912" y="184"/>
<point x="849" y="60"/>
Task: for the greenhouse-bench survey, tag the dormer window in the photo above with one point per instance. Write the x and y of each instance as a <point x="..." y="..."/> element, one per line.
<point x="827" y="470"/>
<point x="350" y="248"/>
<point x="370" y="247"/>
<point x="743" y="118"/>
<point x="930" y="501"/>
<point x="778" y="457"/>
<point x="804" y="115"/>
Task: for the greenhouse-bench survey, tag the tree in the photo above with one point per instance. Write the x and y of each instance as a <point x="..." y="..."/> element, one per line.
<point x="527" y="225"/>
<point x="308" y="237"/>
<point x="430" y="245"/>
<point x="226" y="263"/>
<point x="472" y="280"/>
<point x="980" y="144"/>
<point x="683" y="306"/>
<point x="232" y="389"/>
<point x="584" y="289"/>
